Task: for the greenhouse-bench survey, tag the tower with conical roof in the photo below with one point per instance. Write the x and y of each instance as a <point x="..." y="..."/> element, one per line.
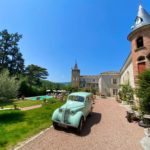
<point x="75" y="79"/>
<point x="140" y="42"/>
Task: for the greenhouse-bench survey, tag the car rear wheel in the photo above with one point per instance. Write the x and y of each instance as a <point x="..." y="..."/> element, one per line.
<point x="80" y="127"/>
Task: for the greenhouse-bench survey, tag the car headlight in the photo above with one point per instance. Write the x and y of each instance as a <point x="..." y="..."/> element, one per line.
<point x="60" y="110"/>
<point x="72" y="112"/>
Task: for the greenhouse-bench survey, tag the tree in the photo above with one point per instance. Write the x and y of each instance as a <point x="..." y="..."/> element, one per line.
<point x="143" y="91"/>
<point x="10" y="56"/>
<point x="16" y="66"/>
<point x="8" y="86"/>
<point x="35" y="73"/>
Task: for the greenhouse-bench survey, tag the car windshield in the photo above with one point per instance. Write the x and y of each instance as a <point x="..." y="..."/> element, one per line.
<point x="76" y="98"/>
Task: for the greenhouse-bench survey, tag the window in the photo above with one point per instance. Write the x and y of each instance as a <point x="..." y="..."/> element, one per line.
<point x="141" y="58"/>
<point x="76" y="98"/>
<point x="139" y="42"/>
<point x="138" y="20"/>
<point x="115" y="91"/>
<point x="127" y="77"/>
<point x="114" y="81"/>
<point x="141" y="64"/>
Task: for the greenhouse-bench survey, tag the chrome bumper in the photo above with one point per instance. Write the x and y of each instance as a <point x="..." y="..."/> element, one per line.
<point x="65" y="125"/>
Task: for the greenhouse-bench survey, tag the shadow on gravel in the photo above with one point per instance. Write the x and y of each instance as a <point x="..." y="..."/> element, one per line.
<point x="92" y="120"/>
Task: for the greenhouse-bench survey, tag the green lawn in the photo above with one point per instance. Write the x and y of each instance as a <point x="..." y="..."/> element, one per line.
<point x="16" y="126"/>
<point x="20" y="103"/>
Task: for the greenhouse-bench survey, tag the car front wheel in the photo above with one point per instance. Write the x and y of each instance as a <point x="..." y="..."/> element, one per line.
<point x="55" y="125"/>
<point x="80" y="127"/>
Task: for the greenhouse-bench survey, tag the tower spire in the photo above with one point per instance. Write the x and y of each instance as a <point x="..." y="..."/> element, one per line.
<point x="142" y="19"/>
<point x="140" y="2"/>
<point x="76" y="66"/>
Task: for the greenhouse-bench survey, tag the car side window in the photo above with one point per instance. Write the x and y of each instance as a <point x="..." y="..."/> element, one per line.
<point x="80" y="99"/>
<point x="90" y="97"/>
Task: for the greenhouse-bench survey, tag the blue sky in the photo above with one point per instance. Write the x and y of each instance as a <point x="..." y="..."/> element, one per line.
<point x="56" y="33"/>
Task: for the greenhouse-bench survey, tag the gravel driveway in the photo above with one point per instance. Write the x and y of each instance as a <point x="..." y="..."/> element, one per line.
<point x="106" y="129"/>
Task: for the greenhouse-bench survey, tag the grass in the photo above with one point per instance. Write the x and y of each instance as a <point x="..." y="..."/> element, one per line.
<point x="16" y="126"/>
<point x="20" y="103"/>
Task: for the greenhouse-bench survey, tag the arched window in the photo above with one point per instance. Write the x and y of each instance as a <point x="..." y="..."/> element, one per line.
<point x="139" y="42"/>
<point x="141" y="64"/>
<point x="141" y="58"/>
<point x="128" y="76"/>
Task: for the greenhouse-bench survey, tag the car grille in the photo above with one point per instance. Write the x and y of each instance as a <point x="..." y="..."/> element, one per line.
<point x="66" y="115"/>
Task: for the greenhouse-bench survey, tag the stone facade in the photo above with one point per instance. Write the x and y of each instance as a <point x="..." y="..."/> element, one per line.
<point x="89" y="82"/>
<point x="109" y="83"/>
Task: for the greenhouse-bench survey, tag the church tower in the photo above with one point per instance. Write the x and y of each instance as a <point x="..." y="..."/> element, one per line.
<point x="140" y="42"/>
<point x="75" y="76"/>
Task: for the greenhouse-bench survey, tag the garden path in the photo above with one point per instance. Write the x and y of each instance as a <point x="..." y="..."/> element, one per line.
<point x="31" y="107"/>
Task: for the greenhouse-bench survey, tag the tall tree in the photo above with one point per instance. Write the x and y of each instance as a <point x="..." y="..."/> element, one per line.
<point x="35" y="73"/>
<point x="16" y="65"/>
<point x="10" y="56"/>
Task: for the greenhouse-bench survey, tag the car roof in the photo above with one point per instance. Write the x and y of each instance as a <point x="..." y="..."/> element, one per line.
<point x="83" y="94"/>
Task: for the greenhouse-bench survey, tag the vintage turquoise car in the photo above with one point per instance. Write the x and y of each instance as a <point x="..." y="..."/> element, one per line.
<point x="74" y="112"/>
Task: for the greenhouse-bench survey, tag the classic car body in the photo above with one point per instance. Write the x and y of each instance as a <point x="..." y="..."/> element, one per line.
<point x="74" y="112"/>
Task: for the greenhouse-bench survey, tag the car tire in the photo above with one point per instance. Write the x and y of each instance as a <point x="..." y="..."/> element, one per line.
<point x="80" y="127"/>
<point x="90" y="114"/>
<point x="55" y="125"/>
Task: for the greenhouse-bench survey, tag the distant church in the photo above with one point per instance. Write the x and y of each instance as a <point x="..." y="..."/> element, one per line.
<point x="107" y="83"/>
<point x="137" y="61"/>
<point x="79" y="81"/>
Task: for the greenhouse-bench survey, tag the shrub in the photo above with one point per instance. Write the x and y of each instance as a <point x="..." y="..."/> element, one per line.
<point x="143" y="91"/>
<point x="8" y="86"/>
<point x="126" y="93"/>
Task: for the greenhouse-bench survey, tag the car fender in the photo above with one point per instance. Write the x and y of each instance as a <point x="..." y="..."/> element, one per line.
<point x="76" y="118"/>
<point x="55" y="115"/>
